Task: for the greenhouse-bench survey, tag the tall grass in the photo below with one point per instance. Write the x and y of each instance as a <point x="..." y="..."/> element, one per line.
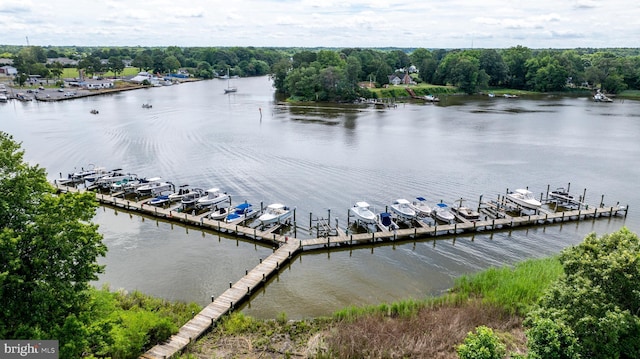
<point x="514" y="289"/>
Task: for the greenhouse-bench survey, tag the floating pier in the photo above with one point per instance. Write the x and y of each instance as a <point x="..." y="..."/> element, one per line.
<point x="495" y="215"/>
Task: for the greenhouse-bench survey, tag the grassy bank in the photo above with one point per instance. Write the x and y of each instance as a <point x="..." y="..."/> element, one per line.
<point x="432" y="327"/>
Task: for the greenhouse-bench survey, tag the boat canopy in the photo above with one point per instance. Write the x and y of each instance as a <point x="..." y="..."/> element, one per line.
<point x="420" y="198"/>
<point x="442" y="205"/>
<point x="243" y="206"/>
<point x="385" y="218"/>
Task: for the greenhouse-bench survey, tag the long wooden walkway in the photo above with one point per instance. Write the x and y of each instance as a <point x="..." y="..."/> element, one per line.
<point x="225" y="303"/>
<point x="495" y="218"/>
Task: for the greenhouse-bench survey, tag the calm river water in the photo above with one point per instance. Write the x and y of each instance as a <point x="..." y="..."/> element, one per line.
<point x="320" y="158"/>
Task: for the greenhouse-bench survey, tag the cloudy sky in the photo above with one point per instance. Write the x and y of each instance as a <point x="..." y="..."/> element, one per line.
<point x="322" y="23"/>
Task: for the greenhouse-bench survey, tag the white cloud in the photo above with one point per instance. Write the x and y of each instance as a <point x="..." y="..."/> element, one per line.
<point x="331" y="23"/>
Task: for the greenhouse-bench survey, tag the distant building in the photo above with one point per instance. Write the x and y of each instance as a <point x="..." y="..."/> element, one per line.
<point x="64" y="61"/>
<point x="5" y="61"/>
<point x="8" y="70"/>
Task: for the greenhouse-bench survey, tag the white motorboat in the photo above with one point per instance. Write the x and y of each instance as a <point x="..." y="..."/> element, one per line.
<point x="241" y="212"/>
<point x="523" y="198"/>
<point x="275" y="213"/>
<point x="181" y="192"/>
<point x="403" y="209"/>
<point x="386" y="222"/>
<point x="362" y="213"/>
<point x="421" y="207"/>
<point x="154" y="186"/>
<point x="191" y="198"/>
<point x="600" y="97"/>
<point x="442" y="213"/>
<point x="91" y="173"/>
<point x="220" y="213"/>
<point x="212" y="197"/>
<point x="113" y="177"/>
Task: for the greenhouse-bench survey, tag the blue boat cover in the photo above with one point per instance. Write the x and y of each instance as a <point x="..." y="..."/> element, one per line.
<point x="243" y="206"/>
<point x="386" y="219"/>
<point x="420" y="198"/>
<point x="442" y="205"/>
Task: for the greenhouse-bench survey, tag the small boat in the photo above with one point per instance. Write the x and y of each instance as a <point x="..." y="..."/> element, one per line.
<point x="212" y="197"/>
<point x="491" y="94"/>
<point x="146" y="105"/>
<point x="182" y="191"/>
<point x="230" y="89"/>
<point x="561" y="195"/>
<point x="154" y="186"/>
<point x="89" y="174"/>
<point x="385" y="221"/>
<point x="219" y="213"/>
<point x="600" y="97"/>
<point x="421" y="207"/>
<point x="114" y="176"/>
<point x="466" y="212"/>
<point x="403" y="209"/>
<point x="442" y="213"/>
<point x="159" y="200"/>
<point x="432" y="98"/>
<point x="241" y="212"/>
<point x="94" y="111"/>
<point x="275" y="213"/>
<point x="3" y="98"/>
<point x="362" y="213"/>
<point x="523" y="198"/>
<point x="128" y="184"/>
<point x="509" y="96"/>
<point x="191" y="198"/>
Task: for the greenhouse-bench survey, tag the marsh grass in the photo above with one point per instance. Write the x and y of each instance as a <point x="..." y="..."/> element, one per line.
<point x="513" y="289"/>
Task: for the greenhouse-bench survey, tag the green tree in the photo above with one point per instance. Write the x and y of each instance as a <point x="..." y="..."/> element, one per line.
<point x="598" y="299"/>
<point x="493" y="64"/>
<point x="48" y="250"/>
<point x="115" y="65"/>
<point x="56" y="69"/>
<point x="171" y="64"/>
<point x="143" y="61"/>
<point x="515" y="58"/>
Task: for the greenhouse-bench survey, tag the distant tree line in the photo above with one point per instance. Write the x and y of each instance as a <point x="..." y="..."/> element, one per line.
<point x="323" y="74"/>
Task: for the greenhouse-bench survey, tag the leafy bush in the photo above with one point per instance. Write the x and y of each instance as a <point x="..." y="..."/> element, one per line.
<point x="483" y="344"/>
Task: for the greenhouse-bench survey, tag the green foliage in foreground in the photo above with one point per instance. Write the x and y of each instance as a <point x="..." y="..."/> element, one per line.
<point x="483" y="344"/>
<point x="124" y="325"/>
<point x="513" y="289"/>
<point x="593" y="311"/>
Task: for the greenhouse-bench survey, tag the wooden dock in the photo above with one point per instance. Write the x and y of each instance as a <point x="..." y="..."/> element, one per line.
<point x="494" y="214"/>
<point x="225" y="303"/>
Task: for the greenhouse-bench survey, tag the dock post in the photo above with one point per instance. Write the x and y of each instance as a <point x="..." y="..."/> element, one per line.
<point x="230" y="284"/>
<point x="479" y="203"/>
<point x="626" y="210"/>
<point x="310" y="219"/>
<point x="263" y="277"/>
<point x="579" y="213"/>
<point x="213" y="299"/>
<point x="601" y="201"/>
<point x="584" y="196"/>
<point x="329" y="219"/>
<point x="493" y="223"/>
<point x="547" y="197"/>
<point x="246" y="271"/>
<point x="260" y="260"/>
<point x="294" y="214"/>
